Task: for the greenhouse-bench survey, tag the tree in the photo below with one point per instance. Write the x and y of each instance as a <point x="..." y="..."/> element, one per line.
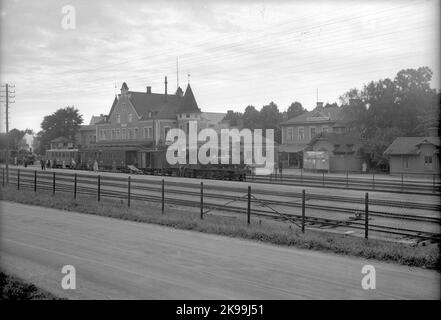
<point x="62" y="123"/>
<point x="251" y="118"/>
<point x="386" y="109"/>
<point x="270" y="118"/>
<point x="234" y="119"/>
<point x="331" y="105"/>
<point x="294" y="110"/>
<point x="16" y="136"/>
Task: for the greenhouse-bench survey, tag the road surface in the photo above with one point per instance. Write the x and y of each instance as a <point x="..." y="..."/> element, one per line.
<point x="117" y="259"/>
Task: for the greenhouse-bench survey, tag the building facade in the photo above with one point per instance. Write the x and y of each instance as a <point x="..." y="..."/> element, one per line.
<point x="298" y="132"/>
<point x="343" y="151"/>
<point x="137" y="125"/>
<point x="414" y="155"/>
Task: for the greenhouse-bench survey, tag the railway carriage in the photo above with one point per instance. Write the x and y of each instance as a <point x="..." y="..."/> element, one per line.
<point x="60" y="157"/>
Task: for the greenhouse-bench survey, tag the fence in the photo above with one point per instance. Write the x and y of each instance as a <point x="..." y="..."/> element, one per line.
<point x="303" y="209"/>
<point x="403" y="182"/>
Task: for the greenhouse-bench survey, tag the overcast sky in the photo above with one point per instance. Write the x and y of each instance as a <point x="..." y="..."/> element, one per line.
<point x="238" y="53"/>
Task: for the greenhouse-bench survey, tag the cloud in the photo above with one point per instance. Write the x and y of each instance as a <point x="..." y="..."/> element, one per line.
<point x="237" y="53"/>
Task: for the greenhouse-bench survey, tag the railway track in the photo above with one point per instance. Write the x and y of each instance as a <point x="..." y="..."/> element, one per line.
<point x="87" y="186"/>
<point x="317" y="222"/>
<point x="295" y="195"/>
<point x="362" y="184"/>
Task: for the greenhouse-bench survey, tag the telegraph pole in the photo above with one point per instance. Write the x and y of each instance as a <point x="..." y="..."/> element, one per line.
<point x="8" y="94"/>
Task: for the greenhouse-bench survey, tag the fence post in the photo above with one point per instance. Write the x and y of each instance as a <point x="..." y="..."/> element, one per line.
<point x="18" y="179"/>
<point x="99" y="188"/>
<point x="75" y="186"/>
<point x="249" y="206"/>
<point x="163" y="196"/>
<point x="323" y="179"/>
<point x="366" y="215"/>
<point x="202" y="200"/>
<point x="128" y="192"/>
<point x="301" y="175"/>
<point x="433" y="180"/>
<point x="373" y="180"/>
<point x="53" y="183"/>
<point x="402" y="182"/>
<point x="3" y="180"/>
<point x="35" y="181"/>
<point x="303" y="210"/>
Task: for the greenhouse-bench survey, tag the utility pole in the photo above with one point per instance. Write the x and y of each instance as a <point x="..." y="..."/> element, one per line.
<point x="8" y="95"/>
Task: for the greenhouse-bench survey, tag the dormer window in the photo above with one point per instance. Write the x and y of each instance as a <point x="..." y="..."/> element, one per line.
<point x="129" y="117"/>
<point x="118" y="118"/>
<point x="150" y="114"/>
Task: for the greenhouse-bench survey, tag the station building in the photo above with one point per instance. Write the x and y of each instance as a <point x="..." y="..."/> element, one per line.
<point x="415" y="155"/>
<point x="137" y="125"/>
<point x="299" y="131"/>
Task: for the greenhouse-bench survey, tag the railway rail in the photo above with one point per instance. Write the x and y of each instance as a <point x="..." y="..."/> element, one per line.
<point x="187" y="194"/>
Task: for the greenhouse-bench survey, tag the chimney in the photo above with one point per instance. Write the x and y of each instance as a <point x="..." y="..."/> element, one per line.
<point x="433" y="131"/>
<point x="149" y="89"/>
<point x="165" y="86"/>
<point x="319" y="104"/>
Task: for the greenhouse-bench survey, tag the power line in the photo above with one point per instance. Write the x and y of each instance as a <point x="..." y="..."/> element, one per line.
<point x="8" y="95"/>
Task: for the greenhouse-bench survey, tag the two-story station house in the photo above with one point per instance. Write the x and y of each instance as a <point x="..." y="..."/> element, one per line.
<point x="137" y="125"/>
<point x="298" y="132"/>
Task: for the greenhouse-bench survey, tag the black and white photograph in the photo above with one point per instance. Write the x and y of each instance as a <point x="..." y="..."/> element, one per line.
<point x="220" y="154"/>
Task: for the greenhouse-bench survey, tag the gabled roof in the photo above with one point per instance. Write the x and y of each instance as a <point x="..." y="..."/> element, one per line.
<point x="213" y="117"/>
<point x="188" y="104"/>
<point x="343" y="142"/>
<point x="60" y="139"/>
<point x="333" y="113"/>
<point x="160" y="105"/>
<point x="95" y="119"/>
<point x="410" y="145"/>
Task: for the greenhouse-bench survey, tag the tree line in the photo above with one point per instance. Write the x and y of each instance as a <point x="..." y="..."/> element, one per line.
<point x="379" y="112"/>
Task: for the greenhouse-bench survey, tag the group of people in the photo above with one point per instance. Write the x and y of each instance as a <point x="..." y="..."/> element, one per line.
<point x="73" y="165"/>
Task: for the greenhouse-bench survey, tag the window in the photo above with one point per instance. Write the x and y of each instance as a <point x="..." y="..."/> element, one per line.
<point x="405" y="162"/>
<point x="123" y="133"/>
<point x="129" y="133"/>
<point x="129" y="117"/>
<point x="289" y="133"/>
<point x="147" y="132"/>
<point x="135" y="133"/>
<point x="312" y="132"/>
<point x="118" y="118"/>
<point x="118" y="134"/>
<point x="428" y="160"/>
<point x="113" y="135"/>
<point x="166" y="129"/>
<point x="325" y="129"/>
<point x="187" y="115"/>
<point x="301" y="133"/>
